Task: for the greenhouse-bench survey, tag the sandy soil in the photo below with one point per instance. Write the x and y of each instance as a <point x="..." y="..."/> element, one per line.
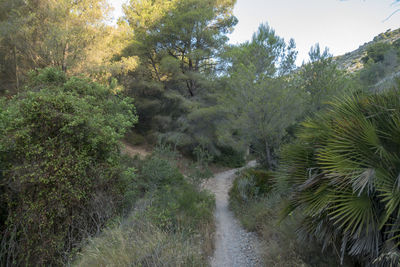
<point x="132" y="151"/>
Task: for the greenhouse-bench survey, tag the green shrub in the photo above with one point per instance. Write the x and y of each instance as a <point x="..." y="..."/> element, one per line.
<point x="396" y="45"/>
<point x="343" y="173"/>
<point x="62" y="177"/>
<point x="165" y="151"/>
<point x="230" y="158"/>
<point x="133" y="188"/>
<point x="134" y="139"/>
<point x="173" y="197"/>
<point x="377" y="52"/>
<point x="157" y="172"/>
<point x="200" y="169"/>
<point x="181" y="207"/>
<point x="279" y="242"/>
<point x="47" y="77"/>
<point x="203" y="157"/>
<point x="251" y="184"/>
<point x="172" y="225"/>
<point x="372" y="73"/>
<point x="263" y="181"/>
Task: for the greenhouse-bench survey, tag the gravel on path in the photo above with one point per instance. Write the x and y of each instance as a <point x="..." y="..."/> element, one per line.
<point x="234" y="246"/>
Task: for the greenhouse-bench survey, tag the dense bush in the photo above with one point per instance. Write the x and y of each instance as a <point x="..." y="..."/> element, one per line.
<point x="62" y="178"/>
<point x="381" y="61"/>
<point x="230" y="158"/>
<point x="180" y="207"/>
<point x="344" y="173"/>
<point x="157" y="171"/>
<point x="396" y="45"/>
<point x="251" y="184"/>
<point x="258" y="206"/>
<point x="134" y="139"/>
<point x="376" y="53"/>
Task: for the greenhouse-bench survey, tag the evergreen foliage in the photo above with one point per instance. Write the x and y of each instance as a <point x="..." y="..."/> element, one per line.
<point x="251" y="185"/>
<point x="177" y="43"/>
<point x="381" y="61"/>
<point x="62" y="176"/>
<point x="43" y="33"/>
<point x="258" y="95"/>
<point x="321" y="79"/>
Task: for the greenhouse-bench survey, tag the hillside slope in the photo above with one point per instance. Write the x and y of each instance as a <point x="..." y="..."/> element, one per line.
<point x="352" y="61"/>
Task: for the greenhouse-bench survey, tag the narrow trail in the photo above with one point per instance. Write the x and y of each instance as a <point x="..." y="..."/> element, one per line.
<point x="234" y="246"/>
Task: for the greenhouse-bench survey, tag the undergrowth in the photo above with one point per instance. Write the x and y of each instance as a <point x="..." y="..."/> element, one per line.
<point x="171" y="223"/>
<point x="258" y="208"/>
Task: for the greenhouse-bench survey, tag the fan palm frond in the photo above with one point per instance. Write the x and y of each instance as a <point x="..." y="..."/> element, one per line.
<point x="344" y="175"/>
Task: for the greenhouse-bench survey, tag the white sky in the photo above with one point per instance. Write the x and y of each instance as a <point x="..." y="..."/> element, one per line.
<point x="342" y="26"/>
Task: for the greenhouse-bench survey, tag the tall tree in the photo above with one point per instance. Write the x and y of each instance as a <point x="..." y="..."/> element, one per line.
<point x="177" y="43"/>
<point x="321" y="79"/>
<point x="179" y="39"/>
<point x="259" y="100"/>
<point x="41" y="33"/>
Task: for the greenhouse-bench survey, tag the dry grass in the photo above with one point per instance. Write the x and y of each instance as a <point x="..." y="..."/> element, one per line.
<point x="138" y="242"/>
<point x="172" y="225"/>
<point x="278" y="247"/>
<point x="142" y="151"/>
<point x="207" y="237"/>
<point x="279" y="241"/>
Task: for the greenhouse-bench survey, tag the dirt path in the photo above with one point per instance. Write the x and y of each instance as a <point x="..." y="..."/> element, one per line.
<point x="132" y="151"/>
<point x="234" y="246"/>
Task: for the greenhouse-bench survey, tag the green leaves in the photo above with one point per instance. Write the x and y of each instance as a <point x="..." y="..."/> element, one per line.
<point x="187" y="35"/>
<point x="62" y="172"/>
<point x="321" y="79"/>
<point x="260" y="100"/>
<point x="177" y="43"/>
<point x="43" y="33"/>
<point x="348" y="178"/>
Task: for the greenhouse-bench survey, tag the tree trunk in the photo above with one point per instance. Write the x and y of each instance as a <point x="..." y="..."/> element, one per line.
<point x="189" y="86"/>
<point x="16" y="67"/>
<point x="268" y="156"/>
<point x="153" y="64"/>
<point x="65" y="57"/>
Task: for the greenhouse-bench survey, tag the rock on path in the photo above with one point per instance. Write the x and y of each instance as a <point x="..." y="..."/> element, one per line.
<point x="234" y="246"/>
